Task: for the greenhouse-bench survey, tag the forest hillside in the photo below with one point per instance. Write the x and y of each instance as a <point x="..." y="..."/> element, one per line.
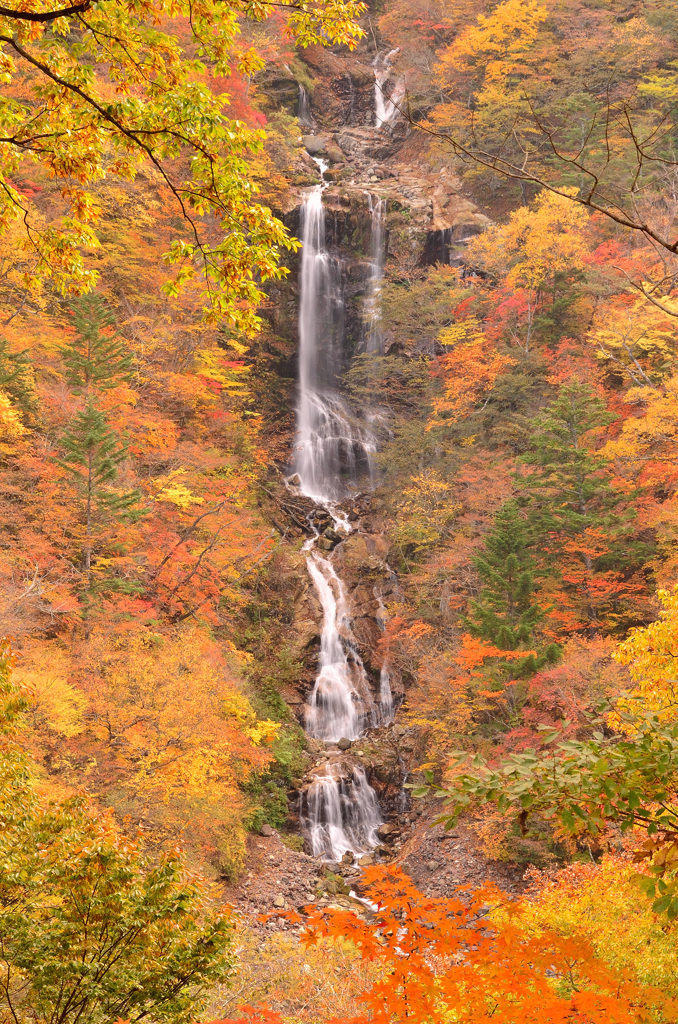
<point x="338" y="511"/>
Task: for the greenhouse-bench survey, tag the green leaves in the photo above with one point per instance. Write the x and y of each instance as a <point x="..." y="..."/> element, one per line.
<point x="582" y="786"/>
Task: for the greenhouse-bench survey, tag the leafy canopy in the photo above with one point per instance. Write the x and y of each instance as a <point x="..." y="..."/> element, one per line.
<point x="117" y="88"/>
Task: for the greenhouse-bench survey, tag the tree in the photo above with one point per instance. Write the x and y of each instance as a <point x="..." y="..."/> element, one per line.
<point x="650" y="652"/>
<point x="467" y="372"/>
<point x="91" y="455"/>
<point x="539" y="256"/>
<point x="17" y="378"/>
<point x="594" y="126"/>
<point x="94" y="89"/>
<point x="626" y="778"/>
<point x="471" y="961"/>
<point x="172" y="738"/>
<point x="505" y="612"/>
<point x="91" y="927"/>
<point x="575" y="507"/>
<point x="96" y="359"/>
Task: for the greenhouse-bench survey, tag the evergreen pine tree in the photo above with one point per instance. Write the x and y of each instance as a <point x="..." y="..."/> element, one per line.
<point x="16" y="378"/>
<point x="92" y="453"/>
<point x="96" y="361"/>
<point x="575" y="509"/>
<point x="96" y="358"/>
<point x="506" y="612"/>
<point x="569" y="488"/>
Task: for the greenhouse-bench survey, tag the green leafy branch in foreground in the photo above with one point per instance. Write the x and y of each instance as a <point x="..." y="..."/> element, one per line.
<point x="584" y="786"/>
<point x="92" y="926"/>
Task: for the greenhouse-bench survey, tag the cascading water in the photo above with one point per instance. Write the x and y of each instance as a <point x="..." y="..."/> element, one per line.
<point x="386" y="701"/>
<point x="332" y="449"/>
<point x="386" y="108"/>
<point x="339" y="809"/>
<point x="341" y="703"/>
<point x="373" y="336"/>
<point x="341" y="814"/>
<point x="304" y="115"/>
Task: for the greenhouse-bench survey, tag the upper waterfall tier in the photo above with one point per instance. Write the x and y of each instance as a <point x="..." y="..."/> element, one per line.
<point x="333" y="450"/>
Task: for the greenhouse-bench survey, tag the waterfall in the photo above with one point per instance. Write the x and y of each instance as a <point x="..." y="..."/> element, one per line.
<point x="333" y="450"/>
<point x="372" y="312"/>
<point x="304" y="115"/>
<point x="340" y="814"/>
<point x="386" y="108"/>
<point x="339" y="809"/>
<point x="341" y="703"/>
<point x="386" y="702"/>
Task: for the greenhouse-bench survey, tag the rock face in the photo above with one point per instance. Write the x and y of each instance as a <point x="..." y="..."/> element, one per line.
<point x="422" y="217"/>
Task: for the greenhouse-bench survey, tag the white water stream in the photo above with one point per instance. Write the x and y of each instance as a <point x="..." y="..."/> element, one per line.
<point x="339" y="809"/>
<point x="373" y="335"/>
<point x="333" y="450"/>
<point x="386" y="107"/>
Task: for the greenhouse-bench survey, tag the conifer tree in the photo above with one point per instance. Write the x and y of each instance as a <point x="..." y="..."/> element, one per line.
<point x="92" y="452"/>
<point x="16" y="378"/>
<point x="569" y="485"/>
<point x="576" y="511"/>
<point x="506" y="612"/>
<point x="96" y="358"/>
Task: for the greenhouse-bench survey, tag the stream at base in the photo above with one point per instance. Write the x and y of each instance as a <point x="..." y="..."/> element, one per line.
<point x="334" y="456"/>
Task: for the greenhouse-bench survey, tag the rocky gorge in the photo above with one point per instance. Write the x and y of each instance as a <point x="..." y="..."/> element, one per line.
<point x="369" y="205"/>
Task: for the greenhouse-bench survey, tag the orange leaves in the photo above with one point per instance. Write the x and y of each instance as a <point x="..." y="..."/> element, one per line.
<point x="497" y="44"/>
<point x="474" y="652"/>
<point x="251" y="1015"/>
<point x="464" y="960"/>
<point x="468" y="373"/>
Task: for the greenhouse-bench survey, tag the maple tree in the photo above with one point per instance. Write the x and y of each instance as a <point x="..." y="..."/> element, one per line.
<point x="91" y="925"/>
<point x="99" y="89"/>
<point x="463" y="958"/>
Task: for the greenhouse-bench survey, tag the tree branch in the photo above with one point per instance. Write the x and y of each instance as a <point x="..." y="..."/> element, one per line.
<point x="43" y="16"/>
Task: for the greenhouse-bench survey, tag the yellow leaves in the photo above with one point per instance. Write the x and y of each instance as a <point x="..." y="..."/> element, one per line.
<point x="426" y="511"/>
<point x="56" y="704"/>
<point x="263" y="733"/>
<point x="622" y="927"/>
<point x="227" y="373"/>
<point x="179" y="720"/>
<point x="651" y="655"/>
<point x="638" y="337"/>
<point x="535" y="244"/>
<point x="11" y="427"/>
<point x="176" y="493"/>
<point x="496" y="46"/>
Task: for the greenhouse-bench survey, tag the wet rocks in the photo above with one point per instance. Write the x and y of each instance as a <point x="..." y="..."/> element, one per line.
<point x="344" y="743"/>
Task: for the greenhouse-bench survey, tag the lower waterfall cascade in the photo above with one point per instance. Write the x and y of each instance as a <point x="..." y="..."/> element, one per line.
<point x="339" y="810"/>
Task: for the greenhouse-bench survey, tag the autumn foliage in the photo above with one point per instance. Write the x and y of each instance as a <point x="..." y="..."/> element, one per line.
<point x="471" y="958"/>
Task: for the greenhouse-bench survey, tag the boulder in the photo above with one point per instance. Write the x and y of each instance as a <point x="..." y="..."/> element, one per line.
<point x="385" y="831"/>
<point x="314" y="144"/>
<point x="334" y="154"/>
<point x="344" y="743"/>
<point x="266" y="830"/>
